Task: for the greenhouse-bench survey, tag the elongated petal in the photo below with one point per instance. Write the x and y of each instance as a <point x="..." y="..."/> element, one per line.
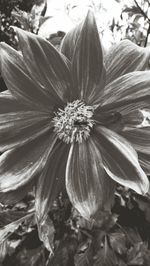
<point x="46" y="65"/>
<point x="17" y="128"/>
<point x="9" y="104"/>
<point x="89" y="188"/>
<point x="19" y="124"/>
<point x="121" y="161"/>
<point x="14" y="196"/>
<point x="19" y="81"/>
<point x="126" y="107"/>
<point x="139" y="137"/>
<point x="127" y="93"/>
<point x="70" y="41"/>
<point x="52" y="179"/>
<point x="125" y="57"/>
<point x="20" y="165"/>
<point x="87" y="63"/>
<point x="144" y="160"/>
<point x="133" y="119"/>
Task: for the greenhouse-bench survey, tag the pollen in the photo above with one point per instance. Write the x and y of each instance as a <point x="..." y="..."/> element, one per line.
<point x="74" y="123"/>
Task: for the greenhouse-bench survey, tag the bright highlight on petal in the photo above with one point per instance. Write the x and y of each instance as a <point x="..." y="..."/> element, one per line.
<point x="121" y="161"/>
<point x="19" y="166"/>
<point x="59" y="120"/>
<point x="47" y="66"/>
<point x="89" y="188"/>
<point x="19" y="81"/>
<point x="87" y="64"/>
<point x="124" y="58"/>
<point x="51" y="181"/>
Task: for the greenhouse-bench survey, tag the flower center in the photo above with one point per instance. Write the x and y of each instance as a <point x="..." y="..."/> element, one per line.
<point x="74" y="123"/>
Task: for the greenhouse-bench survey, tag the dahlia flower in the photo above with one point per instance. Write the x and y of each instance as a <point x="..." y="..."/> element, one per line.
<point x="73" y="118"/>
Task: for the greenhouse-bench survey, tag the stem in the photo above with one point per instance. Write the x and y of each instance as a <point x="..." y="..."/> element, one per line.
<point x="146" y="17"/>
<point x="142" y="12"/>
<point x="148" y="32"/>
<point x="148" y="2"/>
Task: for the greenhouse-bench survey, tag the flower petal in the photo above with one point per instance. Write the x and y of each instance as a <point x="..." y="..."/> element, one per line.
<point x="19" y="81"/>
<point x="69" y="42"/>
<point x="127" y="93"/>
<point x="87" y="64"/>
<point x="125" y="57"/>
<point x="20" y="165"/>
<point x="17" y="128"/>
<point x="9" y="104"/>
<point x="89" y="188"/>
<point x="14" y="196"/>
<point x="133" y="119"/>
<point x="46" y="65"/>
<point x="19" y="124"/>
<point x="120" y="160"/>
<point x="144" y="160"/>
<point x="52" y="179"/>
<point x="139" y="137"/>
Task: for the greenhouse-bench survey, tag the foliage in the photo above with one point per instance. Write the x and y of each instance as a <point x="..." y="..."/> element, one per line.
<point x="66" y="239"/>
<point x="121" y="239"/>
<point x="6" y="19"/>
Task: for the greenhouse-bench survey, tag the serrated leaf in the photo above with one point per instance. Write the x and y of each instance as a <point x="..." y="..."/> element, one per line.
<point x="84" y="255"/>
<point x="106" y="257"/>
<point x="118" y="242"/>
<point x="136" y="254"/>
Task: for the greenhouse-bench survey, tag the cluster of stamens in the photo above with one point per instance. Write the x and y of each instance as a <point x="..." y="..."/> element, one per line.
<point x="74" y="123"/>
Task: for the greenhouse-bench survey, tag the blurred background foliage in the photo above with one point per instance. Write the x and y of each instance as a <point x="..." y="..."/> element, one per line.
<point x="51" y="19"/>
<point x="66" y="239"/>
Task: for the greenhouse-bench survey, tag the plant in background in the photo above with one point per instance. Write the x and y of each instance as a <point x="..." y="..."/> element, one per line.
<point x="6" y="20"/>
<point x="136" y="21"/>
<point x="32" y="20"/>
<point x="66" y="117"/>
<point x="73" y="119"/>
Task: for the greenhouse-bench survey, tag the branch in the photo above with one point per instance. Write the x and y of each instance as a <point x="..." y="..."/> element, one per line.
<point x="148" y="32"/>
<point x="142" y="11"/>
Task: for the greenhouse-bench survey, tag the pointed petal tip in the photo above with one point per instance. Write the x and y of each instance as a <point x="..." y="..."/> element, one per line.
<point x="90" y="13"/>
<point x="90" y="18"/>
<point x="143" y="187"/>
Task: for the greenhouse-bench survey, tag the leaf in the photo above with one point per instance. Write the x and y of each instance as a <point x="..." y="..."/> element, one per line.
<point x="144" y="205"/>
<point x="84" y="255"/>
<point x="23" y="17"/>
<point x="106" y="257"/>
<point x="10" y="221"/>
<point x="136" y="254"/>
<point x="46" y="233"/>
<point x="8" y="247"/>
<point x="118" y="242"/>
<point x="31" y="257"/>
<point x="64" y="254"/>
<point x="132" y="10"/>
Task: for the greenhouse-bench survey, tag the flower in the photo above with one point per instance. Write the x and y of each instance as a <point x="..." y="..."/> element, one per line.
<point x="69" y="115"/>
